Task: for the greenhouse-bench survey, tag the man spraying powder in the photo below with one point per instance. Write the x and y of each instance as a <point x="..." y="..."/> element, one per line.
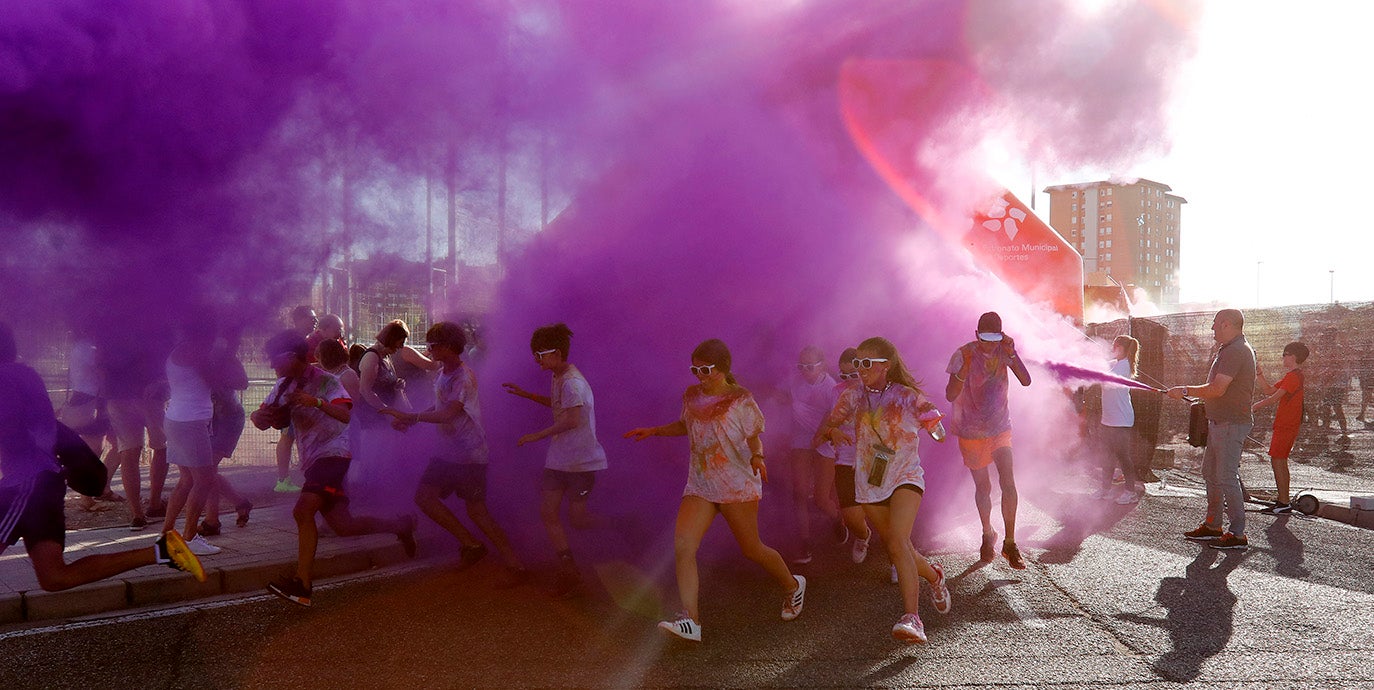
<point x="978" y="388"/>
<point x="574" y="453"/>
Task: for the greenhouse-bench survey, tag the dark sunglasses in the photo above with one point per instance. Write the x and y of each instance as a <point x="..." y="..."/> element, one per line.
<point x="704" y="370"/>
<point x="867" y="362"/>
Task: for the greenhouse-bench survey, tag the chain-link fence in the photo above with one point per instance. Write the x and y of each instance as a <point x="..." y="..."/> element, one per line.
<point x="1177" y="349"/>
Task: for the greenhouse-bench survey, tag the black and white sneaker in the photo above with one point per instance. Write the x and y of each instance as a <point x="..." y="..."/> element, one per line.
<point x="1278" y="509"/>
<point x="292" y="590"/>
<point x="793" y="602"/>
<point x="683" y="626"/>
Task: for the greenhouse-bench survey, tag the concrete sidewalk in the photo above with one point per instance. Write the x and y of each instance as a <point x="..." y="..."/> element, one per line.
<point x="252" y="556"/>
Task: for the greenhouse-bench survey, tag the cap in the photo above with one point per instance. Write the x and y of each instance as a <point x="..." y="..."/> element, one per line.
<point x="990" y="327"/>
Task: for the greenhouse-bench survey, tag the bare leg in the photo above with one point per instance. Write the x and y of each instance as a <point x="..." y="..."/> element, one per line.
<point x="1281" y="477"/>
<point x="982" y="498"/>
<point x="549" y="503"/>
<point x="131" y="477"/>
<point x="427" y="499"/>
<point x="896" y="520"/>
<point x="743" y="519"/>
<point x="157" y="476"/>
<point x="202" y="479"/>
<point x="799" y="483"/>
<point x="178" y="500"/>
<point x="477" y="511"/>
<point x="307" y="534"/>
<point x="1006" y="479"/>
<point x="283" y="457"/>
<point x="55" y="574"/>
<point x="694" y="516"/>
<point x="823" y="469"/>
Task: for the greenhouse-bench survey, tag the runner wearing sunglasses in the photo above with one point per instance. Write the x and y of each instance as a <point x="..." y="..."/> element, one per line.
<point x="978" y="388"/>
<point x="886" y="413"/>
<point x="574" y="457"/>
<point x="812" y="468"/>
<point x="725" y="476"/>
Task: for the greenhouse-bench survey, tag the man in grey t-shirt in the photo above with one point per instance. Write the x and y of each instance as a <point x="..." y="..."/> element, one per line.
<point x="1228" y="392"/>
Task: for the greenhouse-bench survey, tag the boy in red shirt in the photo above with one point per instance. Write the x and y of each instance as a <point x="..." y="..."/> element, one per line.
<point x="1287" y="419"/>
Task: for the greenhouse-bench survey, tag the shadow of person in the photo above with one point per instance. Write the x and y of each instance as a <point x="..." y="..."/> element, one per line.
<point x="1286" y="548"/>
<point x="1200" y="607"/>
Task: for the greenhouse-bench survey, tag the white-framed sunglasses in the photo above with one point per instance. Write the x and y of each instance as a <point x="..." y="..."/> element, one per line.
<point x="805" y="366"/>
<point x="703" y="370"/>
<point x="848" y="376"/>
<point x="867" y="362"/>
<point x="541" y="354"/>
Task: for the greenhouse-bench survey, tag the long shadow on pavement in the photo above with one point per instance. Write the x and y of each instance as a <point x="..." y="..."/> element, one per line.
<point x="1199" y="621"/>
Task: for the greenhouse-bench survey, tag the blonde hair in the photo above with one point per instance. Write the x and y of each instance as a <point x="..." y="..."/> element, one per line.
<point x="1131" y="348"/>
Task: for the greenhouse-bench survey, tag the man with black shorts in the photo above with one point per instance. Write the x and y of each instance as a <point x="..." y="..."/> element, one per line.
<point x="574" y="453"/>
<point x="32" y="489"/>
<point x="317" y="408"/>
<point x="459" y="465"/>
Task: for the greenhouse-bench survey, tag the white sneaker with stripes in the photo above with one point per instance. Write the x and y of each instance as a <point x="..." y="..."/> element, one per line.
<point x="683" y="626"/>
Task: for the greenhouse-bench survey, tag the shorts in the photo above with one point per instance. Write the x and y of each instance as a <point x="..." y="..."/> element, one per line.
<point x="844" y="485"/>
<point x="909" y="487"/>
<point x="33" y="510"/>
<point x="578" y="483"/>
<point x="325" y="477"/>
<point x="130" y="417"/>
<point x="467" y="481"/>
<point x="188" y="443"/>
<point x="225" y="430"/>
<point x="1281" y="443"/>
<point x="978" y="452"/>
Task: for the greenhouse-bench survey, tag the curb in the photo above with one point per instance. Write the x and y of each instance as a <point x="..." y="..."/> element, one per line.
<point x="121" y="593"/>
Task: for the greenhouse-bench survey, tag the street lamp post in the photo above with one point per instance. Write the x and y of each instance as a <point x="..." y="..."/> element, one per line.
<point x="1257" y="283"/>
<point x="1333" y="285"/>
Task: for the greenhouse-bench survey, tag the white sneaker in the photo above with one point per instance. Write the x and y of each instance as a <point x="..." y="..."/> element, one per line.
<point x="792" y="603"/>
<point x="893" y="575"/>
<point x="683" y="626"/>
<point x="1128" y="497"/>
<point x="910" y="629"/>
<point x="200" y="547"/>
<point x="858" y="551"/>
<point x="939" y="592"/>
<point x="1101" y="494"/>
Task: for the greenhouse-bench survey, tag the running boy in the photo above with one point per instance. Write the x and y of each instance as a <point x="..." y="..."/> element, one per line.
<point x="461" y="466"/>
<point x="318" y="408"/>
<point x="574" y="454"/>
<point x="1288" y="394"/>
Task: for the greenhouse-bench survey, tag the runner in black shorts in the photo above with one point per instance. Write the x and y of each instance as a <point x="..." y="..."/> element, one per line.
<point x="32" y="488"/>
<point x="574" y="454"/>
<point x="318" y="408"/>
<point x="461" y="464"/>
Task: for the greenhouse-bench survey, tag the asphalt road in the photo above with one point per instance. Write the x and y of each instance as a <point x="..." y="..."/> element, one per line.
<point x="1120" y="600"/>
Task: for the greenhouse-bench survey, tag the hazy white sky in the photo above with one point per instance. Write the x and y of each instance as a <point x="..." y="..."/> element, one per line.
<point x="1272" y="148"/>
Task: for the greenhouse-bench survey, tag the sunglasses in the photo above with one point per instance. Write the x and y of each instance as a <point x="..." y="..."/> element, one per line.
<point x="541" y="354"/>
<point x="867" y="362"/>
<point x="850" y="375"/>
<point x="704" y="370"/>
<point x="807" y="367"/>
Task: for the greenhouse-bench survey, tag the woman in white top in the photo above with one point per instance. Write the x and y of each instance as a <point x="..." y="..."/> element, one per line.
<point x="187" y="425"/>
<point x="1118" y="424"/>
